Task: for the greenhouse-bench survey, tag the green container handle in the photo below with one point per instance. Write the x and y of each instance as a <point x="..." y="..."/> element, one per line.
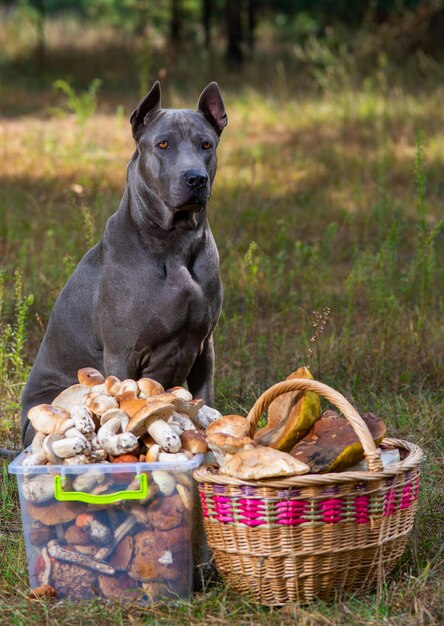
<point x="108" y="498"/>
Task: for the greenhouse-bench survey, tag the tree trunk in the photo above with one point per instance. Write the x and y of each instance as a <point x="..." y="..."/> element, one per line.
<point x="176" y="22"/>
<point x="235" y="55"/>
<point x="251" y="8"/>
<point x="207" y="10"/>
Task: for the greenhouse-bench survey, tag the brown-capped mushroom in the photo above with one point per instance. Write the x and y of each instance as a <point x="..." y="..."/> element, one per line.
<point x="39" y="535"/>
<point x="152" y="419"/>
<point x="150" y="387"/>
<point x="166" y="512"/>
<point x="194" y="441"/>
<point x="253" y="463"/>
<point x="100" y="403"/>
<point x="73" y="581"/>
<point x="181" y="392"/>
<point x="121" y="558"/>
<point x="46" y="418"/>
<point x="118" y="586"/>
<point x="43" y="591"/>
<point x="112" y="385"/>
<point x="130" y="403"/>
<point x="90" y="377"/>
<point x="227" y="435"/>
<point x="56" y="512"/>
<point x="76" y="536"/>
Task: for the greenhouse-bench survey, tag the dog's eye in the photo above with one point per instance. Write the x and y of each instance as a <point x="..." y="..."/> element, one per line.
<point x="206" y="145"/>
<point x="164" y="144"/>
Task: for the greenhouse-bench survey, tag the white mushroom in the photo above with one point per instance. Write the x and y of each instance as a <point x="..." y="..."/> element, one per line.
<point x="182" y="420"/>
<point x="83" y="420"/>
<point x="36" y="458"/>
<point x="115" y="413"/>
<point x="179" y="457"/>
<point x="48" y="443"/>
<point x="46" y="418"/>
<point x="90" y="377"/>
<point x="72" y="396"/>
<point x="78" y="459"/>
<point x="116" y="444"/>
<point x="88" y="480"/>
<point x="39" y="488"/>
<point x="165" y="481"/>
<point x="72" y="446"/>
<point x="206" y="416"/>
<point x="37" y="442"/>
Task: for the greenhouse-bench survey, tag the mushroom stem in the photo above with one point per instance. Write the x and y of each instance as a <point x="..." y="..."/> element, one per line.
<point x="44" y="576"/>
<point x="82" y="560"/>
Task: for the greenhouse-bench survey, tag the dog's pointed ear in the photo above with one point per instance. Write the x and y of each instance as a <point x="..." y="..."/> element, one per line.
<point x="149" y="104"/>
<point x="212" y="106"/>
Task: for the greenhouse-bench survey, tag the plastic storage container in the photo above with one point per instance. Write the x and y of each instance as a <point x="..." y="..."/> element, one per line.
<point x="113" y="530"/>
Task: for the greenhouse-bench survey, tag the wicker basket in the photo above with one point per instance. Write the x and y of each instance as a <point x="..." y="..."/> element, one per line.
<point x="316" y="536"/>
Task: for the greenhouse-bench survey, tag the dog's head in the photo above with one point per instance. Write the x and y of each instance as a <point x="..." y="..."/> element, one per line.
<point x="176" y="156"/>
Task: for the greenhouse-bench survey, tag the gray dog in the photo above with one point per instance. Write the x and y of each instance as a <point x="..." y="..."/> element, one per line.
<point x="145" y="300"/>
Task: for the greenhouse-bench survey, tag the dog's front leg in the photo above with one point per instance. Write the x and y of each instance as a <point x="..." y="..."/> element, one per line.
<point x="200" y="378"/>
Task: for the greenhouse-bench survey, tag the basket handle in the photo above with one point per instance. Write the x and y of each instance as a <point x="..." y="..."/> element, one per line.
<point x="371" y="453"/>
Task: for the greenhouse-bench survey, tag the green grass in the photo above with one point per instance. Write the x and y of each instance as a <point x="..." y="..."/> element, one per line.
<point x="329" y="195"/>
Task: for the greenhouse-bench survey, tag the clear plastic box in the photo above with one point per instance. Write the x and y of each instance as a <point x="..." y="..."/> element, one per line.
<point x="116" y="530"/>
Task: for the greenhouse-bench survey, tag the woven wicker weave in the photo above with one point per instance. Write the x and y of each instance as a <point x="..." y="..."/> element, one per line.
<point x="300" y="538"/>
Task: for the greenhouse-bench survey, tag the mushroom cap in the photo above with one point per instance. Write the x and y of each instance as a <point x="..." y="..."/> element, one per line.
<point x="150" y="387"/>
<point x="234" y="425"/>
<point x="115" y="413"/>
<point x="194" y="441"/>
<point x="181" y="392"/>
<point x="112" y="385"/>
<point x="147" y="561"/>
<point x="51" y="456"/>
<point x="101" y="403"/>
<point x="123" y="554"/>
<point x="261" y="462"/>
<point x="166" y="512"/>
<point x="119" y="586"/>
<point x="76" y="394"/>
<point x="227" y="444"/>
<point x="130" y="403"/>
<point x="56" y="512"/>
<point x="73" y="581"/>
<point x="152" y="407"/>
<point x="47" y="418"/>
<point x="90" y="377"/>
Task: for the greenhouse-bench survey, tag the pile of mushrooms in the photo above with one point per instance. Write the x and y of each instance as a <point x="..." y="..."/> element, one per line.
<point x="138" y="549"/>
<point x="100" y="420"/>
<point x="133" y="548"/>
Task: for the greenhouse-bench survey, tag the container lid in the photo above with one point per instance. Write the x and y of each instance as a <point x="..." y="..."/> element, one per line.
<point x="16" y="467"/>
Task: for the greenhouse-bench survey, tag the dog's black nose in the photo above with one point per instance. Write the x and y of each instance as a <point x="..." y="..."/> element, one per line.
<point x="196" y="178"/>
